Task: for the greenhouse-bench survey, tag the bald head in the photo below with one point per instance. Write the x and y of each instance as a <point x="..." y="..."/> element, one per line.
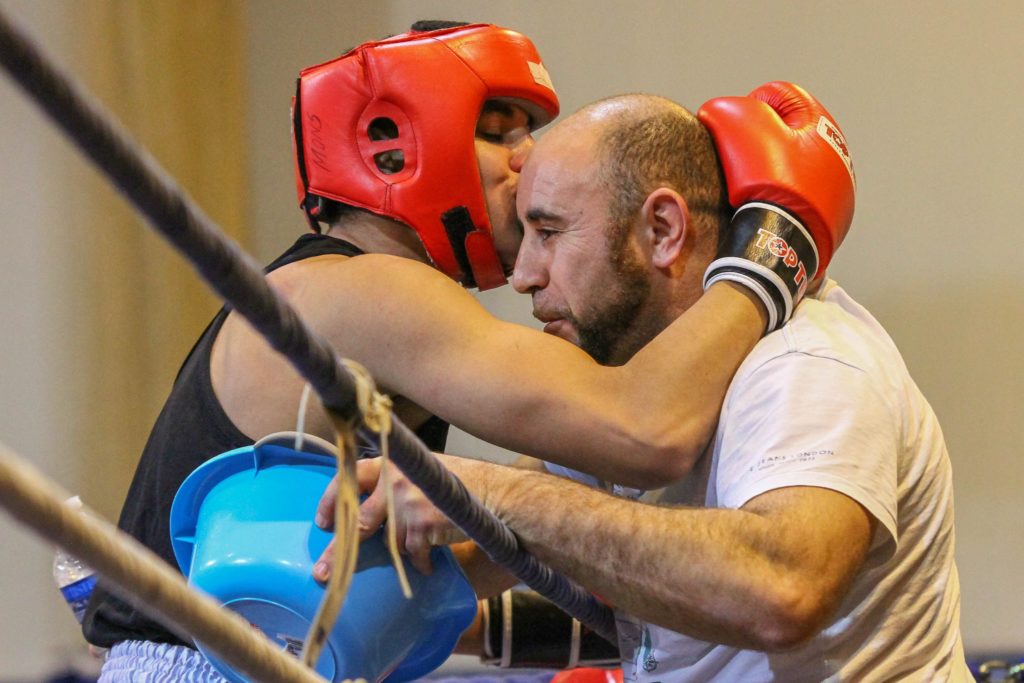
<point x="633" y="144"/>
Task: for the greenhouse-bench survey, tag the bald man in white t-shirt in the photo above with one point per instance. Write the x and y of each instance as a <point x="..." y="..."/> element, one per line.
<point x="814" y="539"/>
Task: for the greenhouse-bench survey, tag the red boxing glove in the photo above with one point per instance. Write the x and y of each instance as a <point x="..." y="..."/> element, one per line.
<point x="789" y="175"/>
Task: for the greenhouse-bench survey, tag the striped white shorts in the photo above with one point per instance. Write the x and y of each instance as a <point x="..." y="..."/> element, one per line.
<point x="137" y="661"/>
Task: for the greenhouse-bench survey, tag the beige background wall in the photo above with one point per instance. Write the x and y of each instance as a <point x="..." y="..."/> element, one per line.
<point x="928" y="93"/>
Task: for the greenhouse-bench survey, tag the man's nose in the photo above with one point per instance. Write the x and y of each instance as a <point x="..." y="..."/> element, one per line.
<point x="529" y="273"/>
<point x="520" y="152"/>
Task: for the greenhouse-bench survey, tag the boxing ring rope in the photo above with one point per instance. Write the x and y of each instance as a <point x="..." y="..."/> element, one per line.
<point x="238" y="279"/>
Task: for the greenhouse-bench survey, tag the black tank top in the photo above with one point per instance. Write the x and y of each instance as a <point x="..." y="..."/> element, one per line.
<point x="191" y="429"/>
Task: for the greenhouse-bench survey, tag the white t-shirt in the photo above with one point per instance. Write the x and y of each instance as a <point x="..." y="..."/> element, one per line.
<point x="827" y="401"/>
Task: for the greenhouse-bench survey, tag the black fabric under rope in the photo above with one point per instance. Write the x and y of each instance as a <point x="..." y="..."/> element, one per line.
<point x="238" y="279"/>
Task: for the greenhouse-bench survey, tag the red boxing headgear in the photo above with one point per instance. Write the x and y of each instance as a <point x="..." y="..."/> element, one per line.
<point x="423" y="93"/>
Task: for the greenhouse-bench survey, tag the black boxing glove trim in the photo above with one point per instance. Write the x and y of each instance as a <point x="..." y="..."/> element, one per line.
<point x="534" y="633"/>
<point x="771" y="253"/>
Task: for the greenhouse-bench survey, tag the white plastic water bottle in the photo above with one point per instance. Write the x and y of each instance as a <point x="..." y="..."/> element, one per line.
<point x="74" y="579"/>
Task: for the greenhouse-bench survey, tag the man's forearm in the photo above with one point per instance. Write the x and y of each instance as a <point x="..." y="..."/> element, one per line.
<point x="632" y="555"/>
<point x="728" y="576"/>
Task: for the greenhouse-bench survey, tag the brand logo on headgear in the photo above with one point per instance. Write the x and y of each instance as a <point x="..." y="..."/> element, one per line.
<point x="830" y="134"/>
<point x="540" y="74"/>
<point x="317" y="147"/>
<point x="777" y="246"/>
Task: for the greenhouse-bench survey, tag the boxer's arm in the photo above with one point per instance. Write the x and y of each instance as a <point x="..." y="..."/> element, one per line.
<point x="642" y="424"/>
<point x="765" y="577"/>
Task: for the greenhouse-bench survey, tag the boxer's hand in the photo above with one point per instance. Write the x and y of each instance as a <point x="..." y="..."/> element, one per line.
<point x="789" y="175"/>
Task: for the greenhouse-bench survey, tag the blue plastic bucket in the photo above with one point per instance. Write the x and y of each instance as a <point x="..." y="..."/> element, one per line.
<point x="242" y="531"/>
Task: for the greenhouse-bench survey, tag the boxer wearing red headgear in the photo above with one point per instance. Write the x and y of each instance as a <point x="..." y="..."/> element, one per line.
<point x="379" y="129"/>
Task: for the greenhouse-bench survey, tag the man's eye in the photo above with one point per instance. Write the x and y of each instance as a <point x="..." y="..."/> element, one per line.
<point x="544" y="234"/>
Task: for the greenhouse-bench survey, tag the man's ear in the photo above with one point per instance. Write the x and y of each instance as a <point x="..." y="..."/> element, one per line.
<point x="667" y="219"/>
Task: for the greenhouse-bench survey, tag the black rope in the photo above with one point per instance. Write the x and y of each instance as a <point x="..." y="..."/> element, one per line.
<point x="449" y="495"/>
<point x="238" y="279"/>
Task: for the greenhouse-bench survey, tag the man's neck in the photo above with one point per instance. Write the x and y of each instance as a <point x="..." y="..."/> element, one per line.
<point x="670" y="300"/>
<point x="375" y="234"/>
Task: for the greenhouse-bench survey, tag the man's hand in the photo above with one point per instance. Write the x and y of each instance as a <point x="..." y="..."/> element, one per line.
<point x="418" y="524"/>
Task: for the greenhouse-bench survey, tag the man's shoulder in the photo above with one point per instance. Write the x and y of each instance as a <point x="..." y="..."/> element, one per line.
<point x="344" y="297"/>
<point x="829" y="325"/>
